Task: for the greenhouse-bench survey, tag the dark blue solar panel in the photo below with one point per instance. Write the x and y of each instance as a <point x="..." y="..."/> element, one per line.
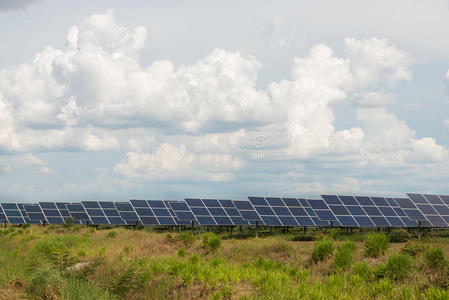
<point x="348" y="200"/>
<point x="291" y="202"/>
<point x="223" y="221"/>
<point x="391" y="201"/>
<point x="317" y="204"/>
<point x="194" y="202"/>
<point x="9" y="206"/>
<point x="243" y="205"/>
<point x="445" y="198"/>
<point x="61" y="205"/>
<point x="379" y="201"/>
<point x="239" y="221"/>
<point x="116" y="221"/>
<point x="166" y="221"/>
<point x="139" y="203"/>
<point x="339" y="210"/>
<point x="318" y="222"/>
<point x="123" y="206"/>
<point x="36" y="216"/>
<point x="304" y="221"/>
<point x="275" y="201"/>
<point x="436" y="221"/>
<point x="75" y="208"/>
<point x="128" y="215"/>
<point x="249" y="215"/>
<point x="325" y="215"/>
<point x="226" y="203"/>
<point x="144" y="212"/>
<point x="433" y="199"/>
<point x="310" y="211"/>
<point x="264" y="210"/>
<point x="105" y="204"/>
<point x="271" y="221"/>
<point x="185" y="215"/>
<point x="408" y="222"/>
<point x="387" y="211"/>
<point x="211" y="203"/>
<point x="298" y="211"/>
<point x="427" y="209"/>
<point x="149" y="220"/>
<point x="347" y="221"/>
<point x="161" y="212"/>
<point x="55" y="220"/>
<point x="232" y="212"/>
<point x="51" y="212"/>
<point x="179" y="206"/>
<point x="380" y="222"/>
<point x="364" y="221"/>
<point x="48" y="205"/>
<point x="95" y="212"/>
<point x="15" y="220"/>
<point x="356" y="210"/>
<point x="200" y="211"/>
<point x="288" y="221"/>
<point x="303" y="202"/>
<point x="215" y="211"/>
<point x="372" y="211"/>
<point x="111" y="212"/>
<point x="206" y="220"/>
<point x="99" y="220"/>
<point x="13" y="213"/>
<point x="80" y="216"/>
<point x="441" y="209"/>
<point x="399" y="211"/>
<point x="64" y="212"/>
<point x="156" y="204"/>
<point x="90" y="204"/>
<point x="32" y="208"/>
<point x="258" y="201"/>
<point x="331" y="199"/>
<point x="417" y="198"/>
<point x="363" y="200"/>
<point x="2" y="217"/>
<point x="281" y="211"/>
<point x="415" y="214"/>
<point x="395" y="221"/>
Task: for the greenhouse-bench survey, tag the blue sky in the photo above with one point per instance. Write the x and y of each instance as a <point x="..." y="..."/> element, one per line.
<point x="110" y="100"/>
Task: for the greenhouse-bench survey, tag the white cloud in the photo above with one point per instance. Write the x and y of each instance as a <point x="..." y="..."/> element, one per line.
<point x="374" y="61"/>
<point x="372" y="99"/>
<point x="30" y="161"/>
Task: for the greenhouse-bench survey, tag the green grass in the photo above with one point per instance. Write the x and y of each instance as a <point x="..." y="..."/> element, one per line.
<point x="68" y="263"/>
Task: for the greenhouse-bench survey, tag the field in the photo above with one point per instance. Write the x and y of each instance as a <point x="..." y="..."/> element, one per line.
<point x="75" y="262"/>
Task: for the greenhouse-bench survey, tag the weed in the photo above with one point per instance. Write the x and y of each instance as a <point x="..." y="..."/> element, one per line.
<point x="434" y="293"/>
<point x="211" y="241"/>
<point x="111" y="234"/>
<point x="186" y="238"/>
<point x="414" y="248"/>
<point x="45" y="283"/>
<point x="398" y="236"/>
<point x="124" y="282"/>
<point x="76" y="289"/>
<point x="344" y="257"/>
<point x="434" y="257"/>
<point x="375" y="244"/>
<point x="322" y="250"/>
<point x="363" y="270"/>
<point x="398" y="266"/>
<point x="181" y="252"/>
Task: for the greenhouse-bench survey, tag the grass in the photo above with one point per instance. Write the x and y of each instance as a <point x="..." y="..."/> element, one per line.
<point x="72" y="262"/>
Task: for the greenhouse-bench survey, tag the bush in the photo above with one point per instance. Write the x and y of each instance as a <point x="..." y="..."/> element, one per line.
<point x="186" y="238"/>
<point x="398" y="266"/>
<point x="363" y="270"/>
<point x="181" y="252"/>
<point x="211" y="241"/>
<point x="45" y="283"/>
<point x="375" y="244"/>
<point x="111" y="234"/>
<point x="413" y="248"/>
<point x="84" y="290"/>
<point x="322" y="250"/>
<point x="434" y="257"/>
<point x="345" y="255"/>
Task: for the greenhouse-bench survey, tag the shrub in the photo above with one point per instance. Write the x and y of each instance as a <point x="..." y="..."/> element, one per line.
<point x="434" y="257"/>
<point x="363" y="270"/>
<point x="111" y="234"/>
<point x="413" y="248"/>
<point x="375" y="244"/>
<point x="398" y="266"/>
<point x="345" y="255"/>
<point x="125" y="282"/>
<point x="186" y="238"/>
<point x="322" y="250"/>
<point x="76" y="289"/>
<point x="211" y="241"/>
<point x="45" y="283"/>
<point x="398" y="236"/>
<point x="181" y="252"/>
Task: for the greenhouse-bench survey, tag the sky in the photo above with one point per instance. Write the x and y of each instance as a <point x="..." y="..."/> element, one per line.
<point x="112" y="100"/>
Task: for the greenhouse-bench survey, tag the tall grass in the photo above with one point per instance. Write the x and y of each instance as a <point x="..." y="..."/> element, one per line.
<point x="375" y="244"/>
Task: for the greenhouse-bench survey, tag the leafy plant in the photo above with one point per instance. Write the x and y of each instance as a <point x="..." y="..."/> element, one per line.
<point x="211" y="241"/>
<point x="414" y="248"/>
<point x="125" y="282"/>
<point x="434" y="257"/>
<point x="398" y="266"/>
<point x="344" y="257"/>
<point x="322" y="250"/>
<point x="375" y="244"/>
<point x="111" y="234"/>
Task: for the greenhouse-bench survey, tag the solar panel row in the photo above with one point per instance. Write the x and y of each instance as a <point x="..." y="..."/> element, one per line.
<point x="425" y="210"/>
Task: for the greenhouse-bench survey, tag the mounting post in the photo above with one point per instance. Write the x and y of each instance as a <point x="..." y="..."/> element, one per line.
<point x="193" y="227"/>
<point x="257" y="229"/>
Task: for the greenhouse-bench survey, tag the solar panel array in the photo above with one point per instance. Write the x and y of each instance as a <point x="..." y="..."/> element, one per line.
<point x="417" y="210"/>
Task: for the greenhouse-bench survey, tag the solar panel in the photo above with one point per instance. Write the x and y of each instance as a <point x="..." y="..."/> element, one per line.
<point x="247" y="211"/>
<point x="432" y="210"/>
<point x="265" y="210"/>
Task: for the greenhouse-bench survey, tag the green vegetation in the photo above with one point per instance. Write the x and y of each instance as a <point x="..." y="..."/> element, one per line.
<point x="376" y="244"/>
<point x="75" y="262"/>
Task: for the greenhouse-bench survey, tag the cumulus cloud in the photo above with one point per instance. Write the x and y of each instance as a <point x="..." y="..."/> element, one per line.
<point x="16" y="4"/>
<point x="34" y="163"/>
<point x="93" y="94"/>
